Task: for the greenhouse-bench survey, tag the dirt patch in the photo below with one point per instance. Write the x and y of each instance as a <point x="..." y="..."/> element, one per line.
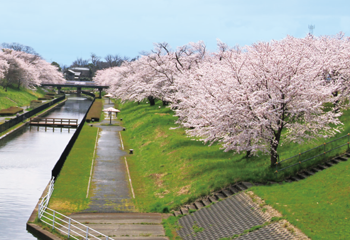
<point x="162" y="114"/>
<point x="271" y="212"/>
<point x="159" y="133"/>
<point x="146" y="143"/>
<point x="63" y="206"/>
<point x="161" y="195"/>
<point x="267" y="209"/>
<point x="184" y="190"/>
<point x="170" y="153"/>
<point x="158" y="178"/>
<point x="136" y="125"/>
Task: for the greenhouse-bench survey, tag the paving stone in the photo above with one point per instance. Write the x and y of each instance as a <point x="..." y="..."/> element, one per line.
<point x="198" y="205"/>
<point x="227" y="192"/>
<point x="191" y="206"/>
<point x="230" y="216"/>
<point x="308" y="172"/>
<point x="206" y="202"/>
<point x="220" y="196"/>
<point x="234" y="189"/>
<point x="248" y="184"/>
<point x="301" y="175"/>
<point x="329" y="164"/>
<point x="212" y="199"/>
<point x="271" y="231"/>
<point x="183" y="210"/>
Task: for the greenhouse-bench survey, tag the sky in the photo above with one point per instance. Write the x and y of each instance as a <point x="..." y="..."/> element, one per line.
<point x="64" y="30"/>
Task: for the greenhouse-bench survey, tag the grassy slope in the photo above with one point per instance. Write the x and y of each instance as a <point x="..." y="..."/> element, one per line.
<point x="319" y="205"/>
<point x="20" y="98"/>
<point x="71" y="185"/>
<point x="169" y="169"/>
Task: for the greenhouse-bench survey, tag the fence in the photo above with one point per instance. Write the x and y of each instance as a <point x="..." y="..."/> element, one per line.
<point x="314" y="155"/>
<point x="64" y="224"/>
<point x="59" y="164"/>
<point x="24" y="116"/>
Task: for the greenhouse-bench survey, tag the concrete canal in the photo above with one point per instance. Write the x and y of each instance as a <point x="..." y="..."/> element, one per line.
<point x="27" y="157"/>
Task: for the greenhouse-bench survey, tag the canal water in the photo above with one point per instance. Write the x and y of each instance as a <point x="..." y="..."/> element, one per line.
<point x="27" y="157"/>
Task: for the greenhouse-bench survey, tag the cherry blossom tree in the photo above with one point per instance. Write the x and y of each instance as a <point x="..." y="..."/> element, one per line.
<point x="154" y="74"/>
<point x="27" y="69"/>
<point x="246" y="98"/>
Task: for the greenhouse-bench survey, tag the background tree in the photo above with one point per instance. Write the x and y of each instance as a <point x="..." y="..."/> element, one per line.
<point x="20" y="47"/>
<point x="57" y="65"/>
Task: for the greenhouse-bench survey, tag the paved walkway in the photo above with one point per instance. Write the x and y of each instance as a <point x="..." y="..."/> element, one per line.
<point x="109" y="190"/>
<point x="111" y="210"/>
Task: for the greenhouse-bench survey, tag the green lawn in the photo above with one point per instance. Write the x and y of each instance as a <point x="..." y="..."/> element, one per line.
<point x="319" y="205"/>
<point x="18" y="97"/>
<point x="71" y="184"/>
<point x="169" y="169"/>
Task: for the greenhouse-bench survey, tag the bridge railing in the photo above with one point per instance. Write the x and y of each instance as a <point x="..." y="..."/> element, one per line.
<point x="60" y="121"/>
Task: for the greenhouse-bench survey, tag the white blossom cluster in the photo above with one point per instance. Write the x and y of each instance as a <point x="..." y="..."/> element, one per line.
<point x="26" y="69"/>
<point x="250" y="98"/>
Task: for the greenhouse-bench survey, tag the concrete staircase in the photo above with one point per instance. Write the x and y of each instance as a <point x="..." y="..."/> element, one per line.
<point x="125" y="226"/>
<point x="241" y="186"/>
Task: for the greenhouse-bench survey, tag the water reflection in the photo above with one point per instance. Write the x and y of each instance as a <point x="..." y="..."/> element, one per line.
<point x="26" y="159"/>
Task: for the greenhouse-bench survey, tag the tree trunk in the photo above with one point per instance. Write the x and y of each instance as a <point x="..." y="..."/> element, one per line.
<point x="165" y="103"/>
<point x="151" y="100"/>
<point x="274" y="154"/>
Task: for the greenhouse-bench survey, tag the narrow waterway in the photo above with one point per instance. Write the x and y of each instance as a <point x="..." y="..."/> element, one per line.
<point x="27" y="157"/>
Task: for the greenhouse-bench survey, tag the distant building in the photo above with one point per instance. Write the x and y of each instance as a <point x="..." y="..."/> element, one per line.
<point x="78" y="74"/>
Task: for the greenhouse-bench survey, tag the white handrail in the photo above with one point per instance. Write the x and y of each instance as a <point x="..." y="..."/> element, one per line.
<point x="63" y="223"/>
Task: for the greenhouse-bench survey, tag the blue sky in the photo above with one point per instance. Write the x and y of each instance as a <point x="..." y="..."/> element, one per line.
<point x="64" y="30"/>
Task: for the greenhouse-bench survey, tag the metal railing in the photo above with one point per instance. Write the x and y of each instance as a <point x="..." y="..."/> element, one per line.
<point x="53" y="121"/>
<point x="313" y="155"/>
<point x="64" y="224"/>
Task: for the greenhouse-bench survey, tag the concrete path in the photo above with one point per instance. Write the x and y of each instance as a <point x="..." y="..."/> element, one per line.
<point x="109" y="190"/>
<point x="125" y="226"/>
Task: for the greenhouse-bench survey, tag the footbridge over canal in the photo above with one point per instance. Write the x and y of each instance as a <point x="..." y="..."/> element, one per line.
<point x="76" y="84"/>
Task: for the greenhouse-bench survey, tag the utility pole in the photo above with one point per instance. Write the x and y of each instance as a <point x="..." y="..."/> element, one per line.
<point x="311" y="29"/>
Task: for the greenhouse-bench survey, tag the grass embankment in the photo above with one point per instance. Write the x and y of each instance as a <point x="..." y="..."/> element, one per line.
<point x="95" y="113"/>
<point x="319" y="205"/>
<point x="72" y="183"/>
<point x="18" y="97"/>
<point x="169" y="169"/>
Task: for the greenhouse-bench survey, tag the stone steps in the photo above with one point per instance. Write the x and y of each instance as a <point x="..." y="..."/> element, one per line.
<point x="241" y="186"/>
<point x="120" y="226"/>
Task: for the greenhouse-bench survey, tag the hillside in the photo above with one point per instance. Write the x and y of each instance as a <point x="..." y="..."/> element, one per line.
<point x="169" y="169"/>
<point x="18" y="97"/>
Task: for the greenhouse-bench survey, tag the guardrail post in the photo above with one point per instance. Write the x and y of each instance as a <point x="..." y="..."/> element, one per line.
<point x="87" y="233"/>
<point x="53" y="220"/>
<point x="69" y="227"/>
<point x="107" y="237"/>
<point x="39" y="209"/>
